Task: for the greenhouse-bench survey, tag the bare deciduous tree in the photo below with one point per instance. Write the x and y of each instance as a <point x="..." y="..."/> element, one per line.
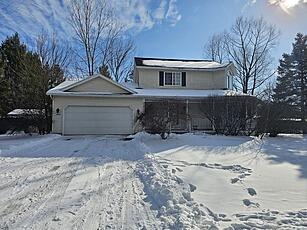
<point x="91" y="21"/>
<point x="120" y="58"/>
<point x="248" y="45"/>
<point x="267" y="92"/>
<point x="54" y="61"/>
<point x="215" y="48"/>
<point x="50" y="51"/>
<point x="102" y="39"/>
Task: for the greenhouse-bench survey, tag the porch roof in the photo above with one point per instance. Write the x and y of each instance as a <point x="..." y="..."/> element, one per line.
<point x="184" y="93"/>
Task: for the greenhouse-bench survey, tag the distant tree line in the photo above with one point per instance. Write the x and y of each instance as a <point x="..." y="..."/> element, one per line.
<point x="284" y="104"/>
<point x="26" y="75"/>
<point x="285" y="110"/>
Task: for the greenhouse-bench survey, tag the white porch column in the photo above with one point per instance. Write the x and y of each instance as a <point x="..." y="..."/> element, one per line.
<point x="188" y="118"/>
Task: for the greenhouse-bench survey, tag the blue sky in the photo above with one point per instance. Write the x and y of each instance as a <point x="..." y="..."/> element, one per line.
<point x="161" y="28"/>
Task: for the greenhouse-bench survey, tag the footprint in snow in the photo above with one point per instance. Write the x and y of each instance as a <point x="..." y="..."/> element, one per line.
<point x="179" y="169"/>
<point x="251" y="191"/>
<point x="249" y="203"/>
<point x="234" y="180"/>
<point x="192" y="187"/>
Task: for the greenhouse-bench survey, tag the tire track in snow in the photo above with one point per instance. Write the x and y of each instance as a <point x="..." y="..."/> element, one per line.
<point x="43" y="218"/>
<point x="37" y="194"/>
<point x="18" y="183"/>
<point x="47" y="212"/>
<point x="67" y="192"/>
<point x="117" y="204"/>
<point x="20" y="210"/>
<point x="137" y="211"/>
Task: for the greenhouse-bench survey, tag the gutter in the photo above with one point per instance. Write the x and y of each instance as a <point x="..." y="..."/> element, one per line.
<point x="184" y="68"/>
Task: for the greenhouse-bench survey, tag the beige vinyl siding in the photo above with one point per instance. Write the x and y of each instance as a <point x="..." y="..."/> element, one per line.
<point x="97" y="85"/>
<point x="62" y="103"/>
<point x="149" y="78"/>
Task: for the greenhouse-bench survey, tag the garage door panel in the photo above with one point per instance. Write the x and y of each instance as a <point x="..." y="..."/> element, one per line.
<point x="97" y="120"/>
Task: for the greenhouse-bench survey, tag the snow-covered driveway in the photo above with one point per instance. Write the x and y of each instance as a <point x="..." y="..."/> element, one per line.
<point x="187" y="181"/>
<point x="55" y="182"/>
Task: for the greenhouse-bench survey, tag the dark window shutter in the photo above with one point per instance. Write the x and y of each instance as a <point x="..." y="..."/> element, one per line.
<point x="161" y="78"/>
<point x="183" y="79"/>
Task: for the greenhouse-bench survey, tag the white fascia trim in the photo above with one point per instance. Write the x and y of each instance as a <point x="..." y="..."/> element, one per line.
<point x="69" y="94"/>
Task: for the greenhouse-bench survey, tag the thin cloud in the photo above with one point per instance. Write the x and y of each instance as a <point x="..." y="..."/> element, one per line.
<point x="173" y="14"/>
<point x="30" y="17"/>
<point x="160" y="12"/>
<point x="287" y="6"/>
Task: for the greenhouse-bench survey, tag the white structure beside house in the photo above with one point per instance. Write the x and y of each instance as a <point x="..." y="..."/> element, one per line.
<point x="98" y="105"/>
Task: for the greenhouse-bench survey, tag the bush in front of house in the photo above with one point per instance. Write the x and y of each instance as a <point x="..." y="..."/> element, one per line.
<point x="231" y="115"/>
<point x="156" y="119"/>
<point x="274" y="118"/>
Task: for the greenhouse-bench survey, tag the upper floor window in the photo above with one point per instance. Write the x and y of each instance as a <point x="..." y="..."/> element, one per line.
<point x="229" y="81"/>
<point x="172" y="78"/>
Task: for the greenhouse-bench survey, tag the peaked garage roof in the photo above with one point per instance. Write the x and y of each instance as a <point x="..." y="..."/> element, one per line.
<point x="64" y="87"/>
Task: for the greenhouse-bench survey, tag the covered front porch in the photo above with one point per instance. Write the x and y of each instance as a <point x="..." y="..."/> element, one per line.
<point x="181" y="115"/>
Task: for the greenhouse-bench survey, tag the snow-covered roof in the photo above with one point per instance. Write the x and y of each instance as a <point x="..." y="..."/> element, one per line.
<point x="180" y="63"/>
<point x="68" y="84"/>
<point x="184" y="93"/>
<point x="59" y="88"/>
<point x="19" y="112"/>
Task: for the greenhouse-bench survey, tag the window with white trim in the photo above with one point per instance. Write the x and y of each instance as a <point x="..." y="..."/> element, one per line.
<point x="172" y="78"/>
<point x="229" y="82"/>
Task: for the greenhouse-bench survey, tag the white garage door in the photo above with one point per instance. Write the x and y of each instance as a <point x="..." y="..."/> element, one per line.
<point x="97" y="120"/>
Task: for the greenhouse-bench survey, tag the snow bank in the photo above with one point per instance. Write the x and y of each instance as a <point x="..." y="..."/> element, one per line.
<point x="171" y="197"/>
<point x="14" y="143"/>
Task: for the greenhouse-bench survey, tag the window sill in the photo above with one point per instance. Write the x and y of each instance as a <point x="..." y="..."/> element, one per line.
<point x="172" y="86"/>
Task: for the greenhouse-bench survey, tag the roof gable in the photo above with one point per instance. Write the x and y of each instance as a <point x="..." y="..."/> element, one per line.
<point x="98" y="83"/>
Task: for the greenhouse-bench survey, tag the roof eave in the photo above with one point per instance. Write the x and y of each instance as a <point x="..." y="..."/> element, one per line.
<point x="74" y="94"/>
<point x="183" y="68"/>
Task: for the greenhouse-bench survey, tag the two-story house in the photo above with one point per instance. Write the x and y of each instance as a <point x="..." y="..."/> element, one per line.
<point x="99" y="105"/>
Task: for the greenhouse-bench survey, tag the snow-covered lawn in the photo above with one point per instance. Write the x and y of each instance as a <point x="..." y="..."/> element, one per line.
<point x="253" y="182"/>
<point x="186" y="181"/>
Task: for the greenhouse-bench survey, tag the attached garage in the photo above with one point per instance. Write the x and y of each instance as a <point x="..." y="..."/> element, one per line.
<point x="94" y="106"/>
<point x="98" y="120"/>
